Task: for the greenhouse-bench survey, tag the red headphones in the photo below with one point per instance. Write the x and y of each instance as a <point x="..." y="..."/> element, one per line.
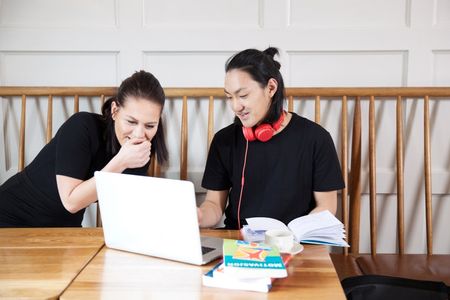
<point x="262" y="132"/>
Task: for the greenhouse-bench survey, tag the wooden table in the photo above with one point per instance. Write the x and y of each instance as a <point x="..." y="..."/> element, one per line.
<point x="122" y="275"/>
<point x="42" y="262"/>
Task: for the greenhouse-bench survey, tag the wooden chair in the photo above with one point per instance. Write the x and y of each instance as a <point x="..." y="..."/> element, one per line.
<point x="427" y="266"/>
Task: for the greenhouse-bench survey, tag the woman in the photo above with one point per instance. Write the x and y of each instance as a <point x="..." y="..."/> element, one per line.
<point x="57" y="186"/>
<point x="270" y="162"/>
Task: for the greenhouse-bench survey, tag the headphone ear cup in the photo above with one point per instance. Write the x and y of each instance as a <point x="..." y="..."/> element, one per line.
<point x="264" y="132"/>
<point x="248" y="134"/>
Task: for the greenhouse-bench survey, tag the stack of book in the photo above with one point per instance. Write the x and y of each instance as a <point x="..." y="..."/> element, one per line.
<point x="247" y="266"/>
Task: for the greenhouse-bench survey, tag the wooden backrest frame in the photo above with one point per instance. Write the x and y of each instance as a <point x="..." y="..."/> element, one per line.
<point x="350" y="195"/>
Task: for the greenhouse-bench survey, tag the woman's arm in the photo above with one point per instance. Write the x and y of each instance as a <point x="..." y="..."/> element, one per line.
<point x="211" y="210"/>
<point x="325" y="201"/>
<point x="77" y="194"/>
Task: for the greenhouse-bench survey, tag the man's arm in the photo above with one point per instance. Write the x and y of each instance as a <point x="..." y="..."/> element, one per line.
<point x="211" y="210"/>
<point x="325" y="201"/>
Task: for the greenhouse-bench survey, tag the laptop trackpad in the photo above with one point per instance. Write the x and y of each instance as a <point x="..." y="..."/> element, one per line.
<point x="211" y="248"/>
<point x="206" y="250"/>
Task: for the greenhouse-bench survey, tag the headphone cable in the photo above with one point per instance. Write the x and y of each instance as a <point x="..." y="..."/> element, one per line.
<point x="242" y="186"/>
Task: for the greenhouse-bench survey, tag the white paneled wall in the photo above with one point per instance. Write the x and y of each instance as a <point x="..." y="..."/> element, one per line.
<point x="189" y="67"/>
<point x="350" y="13"/>
<point x="348" y="68"/>
<point x="226" y="15"/>
<point x="186" y="43"/>
<point x="441" y="67"/>
<point x="57" y="68"/>
<point x="58" y="14"/>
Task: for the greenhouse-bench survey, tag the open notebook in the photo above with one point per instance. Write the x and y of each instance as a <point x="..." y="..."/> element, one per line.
<point x="153" y="216"/>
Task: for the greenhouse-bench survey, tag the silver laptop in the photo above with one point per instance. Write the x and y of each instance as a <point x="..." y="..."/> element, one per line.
<point x="153" y="216"/>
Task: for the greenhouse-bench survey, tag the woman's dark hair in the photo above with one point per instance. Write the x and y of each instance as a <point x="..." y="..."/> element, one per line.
<point x="261" y="66"/>
<point x="141" y="85"/>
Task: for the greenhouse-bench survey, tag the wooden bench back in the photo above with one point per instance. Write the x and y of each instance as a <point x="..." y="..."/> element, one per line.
<point x="350" y="196"/>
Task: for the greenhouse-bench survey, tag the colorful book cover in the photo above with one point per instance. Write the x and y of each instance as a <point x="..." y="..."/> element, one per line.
<point x="251" y="260"/>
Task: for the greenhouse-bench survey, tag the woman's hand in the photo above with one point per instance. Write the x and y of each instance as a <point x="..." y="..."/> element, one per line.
<point x="135" y="153"/>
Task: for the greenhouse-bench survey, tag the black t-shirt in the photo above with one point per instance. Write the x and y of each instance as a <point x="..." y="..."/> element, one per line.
<point x="31" y="198"/>
<point x="280" y="175"/>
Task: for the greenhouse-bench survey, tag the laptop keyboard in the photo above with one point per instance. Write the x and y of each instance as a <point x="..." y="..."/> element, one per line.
<point x="206" y="250"/>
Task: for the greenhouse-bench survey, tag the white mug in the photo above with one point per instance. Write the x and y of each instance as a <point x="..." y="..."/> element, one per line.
<point x="282" y="239"/>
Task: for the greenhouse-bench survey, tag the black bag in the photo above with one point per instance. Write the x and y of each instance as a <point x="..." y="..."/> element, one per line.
<point x="368" y="287"/>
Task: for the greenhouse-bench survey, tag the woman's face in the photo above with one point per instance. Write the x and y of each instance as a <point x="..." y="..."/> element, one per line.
<point x="249" y="101"/>
<point x="137" y="118"/>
